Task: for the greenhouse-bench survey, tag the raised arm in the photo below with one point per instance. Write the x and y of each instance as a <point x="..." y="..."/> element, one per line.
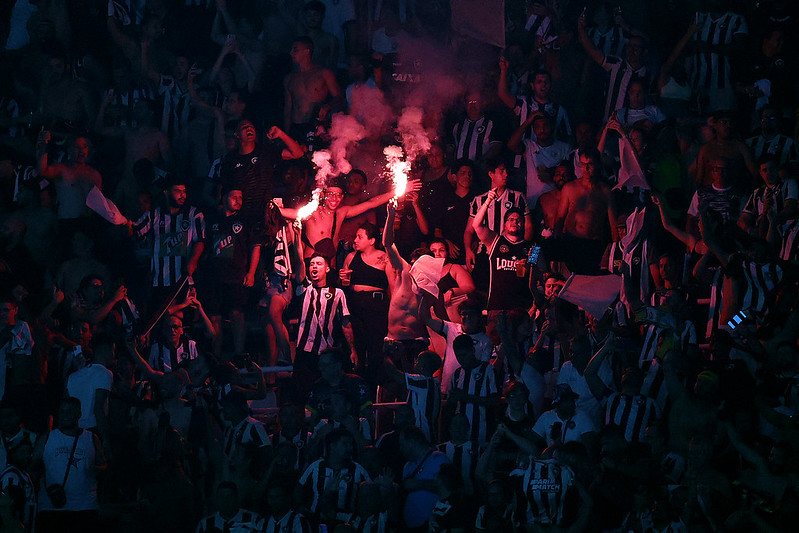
<point x="147" y="69"/>
<point x="485" y="235"/>
<point x="99" y="120"/>
<point x="502" y="87"/>
<point x="665" y="70"/>
<point x="295" y="254"/>
<point x="223" y="24"/>
<point x="591" y="373"/>
<point x="515" y="143"/>
<point x="683" y="236"/>
<point x="349" y="211"/>
<point x="45" y="170"/>
<point x="293" y="150"/>
<point x="394" y="257"/>
<point x="592" y="51"/>
<point x="421" y="219"/>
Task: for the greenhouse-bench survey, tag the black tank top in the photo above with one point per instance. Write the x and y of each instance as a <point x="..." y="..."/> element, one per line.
<point x="363" y="274"/>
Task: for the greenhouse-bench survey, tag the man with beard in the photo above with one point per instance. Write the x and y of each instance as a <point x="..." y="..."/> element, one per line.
<point x="176" y="232"/>
<point x="228" y="269"/>
<point x="546" y="210"/>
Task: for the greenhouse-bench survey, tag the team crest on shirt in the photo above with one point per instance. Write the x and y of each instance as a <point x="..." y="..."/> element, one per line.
<point x="328" y="295"/>
<point x="480" y="129"/>
<point x="508" y="205"/>
<point x="184" y="226"/>
<point x="254" y="160"/>
<point x="478" y="376"/>
<point x="299" y="444"/>
<point x="503" y="248"/>
<point x="636" y="261"/>
<point x="237" y="227"/>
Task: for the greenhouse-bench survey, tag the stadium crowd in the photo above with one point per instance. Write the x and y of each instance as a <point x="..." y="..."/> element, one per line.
<point x="221" y="310"/>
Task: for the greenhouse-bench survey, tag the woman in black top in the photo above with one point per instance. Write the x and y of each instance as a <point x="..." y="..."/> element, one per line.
<point x="365" y="276"/>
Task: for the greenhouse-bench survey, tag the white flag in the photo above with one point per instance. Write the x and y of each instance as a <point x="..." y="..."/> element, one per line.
<point x="593" y="293"/>
<point x="104" y="207"/>
<point x="630" y="174"/>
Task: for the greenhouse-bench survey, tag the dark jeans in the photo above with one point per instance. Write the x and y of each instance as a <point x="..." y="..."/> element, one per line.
<point x="369" y="319"/>
<point x="581" y="256"/>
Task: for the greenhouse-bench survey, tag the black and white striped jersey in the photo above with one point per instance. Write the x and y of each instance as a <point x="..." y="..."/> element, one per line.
<point x="525" y="107"/>
<point x="761" y="281"/>
<point x="631" y="413"/>
<point x="789" y="249"/>
<point x="424" y="396"/>
<point x="495" y="215"/>
<point x="781" y="147"/>
<point x="472" y="138"/>
<point x="545" y="484"/>
<point x="711" y="70"/>
<point x="247" y="433"/>
<point x="610" y="42"/>
<point x="166" y="359"/>
<point x="464" y="457"/>
<point x="291" y="522"/>
<point x="242" y="522"/>
<point x="621" y="74"/>
<point x="300" y="442"/>
<point x="177" y="106"/>
<point x="775" y="196"/>
<point x="171" y="238"/>
<point x="323" y="308"/>
<point x="319" y="474"/>
<point x="478" y="381"/>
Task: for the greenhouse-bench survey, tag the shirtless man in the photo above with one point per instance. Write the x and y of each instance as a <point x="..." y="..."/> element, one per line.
<point x="743" y="169"/>
<point x="325" y="44"/>
<point x="73" y="179"/>
<point x="549" y="202"/>
<point x="407" y="330"/>
<point x="62" y="97"/>
<point x="585" y="211"/>
<point x="311" y="92"/>
<point x="321" y="229"/>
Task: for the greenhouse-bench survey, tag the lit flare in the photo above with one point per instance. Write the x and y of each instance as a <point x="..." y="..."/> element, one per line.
<point x="397" y="168"/>
<point x="309" y="208"/>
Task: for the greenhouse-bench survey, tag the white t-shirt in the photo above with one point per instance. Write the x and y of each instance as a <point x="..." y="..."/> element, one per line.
<point x="83" y="384"/>
<point x="571" y="429"/>
<point x="535" y="156"/>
